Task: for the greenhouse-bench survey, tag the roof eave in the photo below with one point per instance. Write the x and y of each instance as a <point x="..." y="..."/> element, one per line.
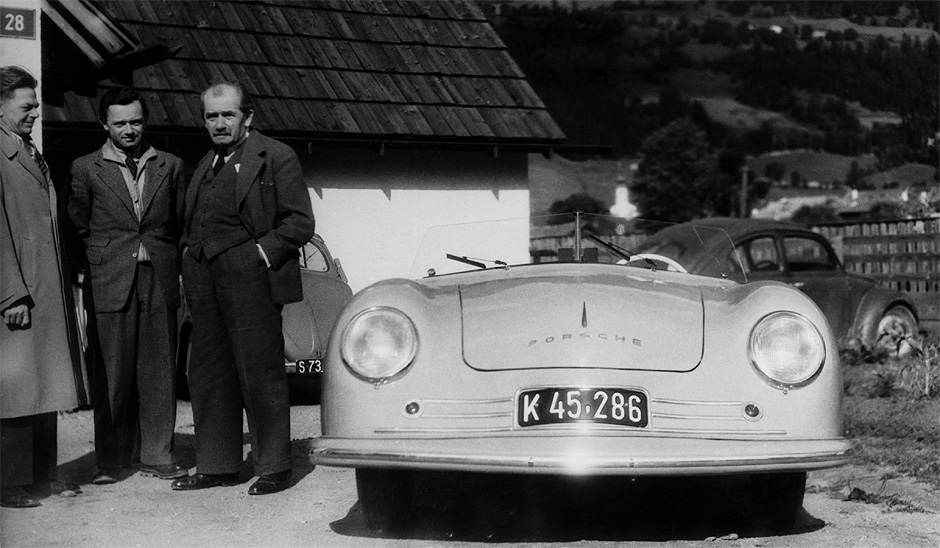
<point x="378" y="143"/>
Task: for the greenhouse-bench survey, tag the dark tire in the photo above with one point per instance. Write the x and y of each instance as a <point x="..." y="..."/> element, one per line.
<point x="385" y="497"/>
<point x="896" y="329"/>
<point x="777" y="498"/>
<point x="304" y="389"/>
<point x="184" y="349"/>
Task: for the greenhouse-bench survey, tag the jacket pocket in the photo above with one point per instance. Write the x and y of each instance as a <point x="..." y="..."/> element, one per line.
<point x="94" y="248"/>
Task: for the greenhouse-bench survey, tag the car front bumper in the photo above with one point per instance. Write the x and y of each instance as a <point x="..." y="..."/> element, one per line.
<point x="638" y="456"/>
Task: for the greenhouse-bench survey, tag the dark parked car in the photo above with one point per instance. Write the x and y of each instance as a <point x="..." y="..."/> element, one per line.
<point x="307" y="324"/>
<point x="857" y="308"/>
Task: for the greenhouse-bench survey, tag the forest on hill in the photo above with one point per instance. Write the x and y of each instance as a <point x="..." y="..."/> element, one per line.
<point x="587" y="62"/>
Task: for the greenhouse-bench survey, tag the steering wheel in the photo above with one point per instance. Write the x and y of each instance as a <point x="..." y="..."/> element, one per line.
<point x="671" y="264"/>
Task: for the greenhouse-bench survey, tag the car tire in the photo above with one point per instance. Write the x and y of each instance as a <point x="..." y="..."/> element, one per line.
<point x="184" y="349"/>
<point x="385" y="497"/>
<point x="777" y="498"/>
<point x="895" y="330"/>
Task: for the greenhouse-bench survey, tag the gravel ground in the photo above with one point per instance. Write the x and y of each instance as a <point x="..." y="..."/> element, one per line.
<point x="321" y="510"/>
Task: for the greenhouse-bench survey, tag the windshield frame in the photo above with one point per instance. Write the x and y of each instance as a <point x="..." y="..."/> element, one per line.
<point x="572" y="238"/>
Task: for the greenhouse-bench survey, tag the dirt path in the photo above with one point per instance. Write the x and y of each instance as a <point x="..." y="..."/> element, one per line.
<point x="320" y="510"/>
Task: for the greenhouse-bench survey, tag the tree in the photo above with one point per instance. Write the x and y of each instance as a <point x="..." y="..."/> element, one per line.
<point x="815" y="214"/>
<point x="578" y="202"/>
<point x="886" y="211"/>
<point x="678" y="179"/>
<point x="775" y="171"/>
<point x="854" y="179"/>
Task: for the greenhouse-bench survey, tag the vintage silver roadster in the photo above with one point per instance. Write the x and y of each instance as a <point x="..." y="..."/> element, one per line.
<point x="598" y="362"/>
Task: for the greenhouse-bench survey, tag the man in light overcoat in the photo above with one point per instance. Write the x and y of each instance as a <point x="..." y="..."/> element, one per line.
<point x="38" y="351"/>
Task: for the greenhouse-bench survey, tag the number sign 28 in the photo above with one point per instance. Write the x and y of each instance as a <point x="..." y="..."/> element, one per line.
<point x="17" y="23"/>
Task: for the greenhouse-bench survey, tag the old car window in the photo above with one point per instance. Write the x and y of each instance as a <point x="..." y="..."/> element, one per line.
<point x="807" y="254"/>
<point x="312" y="258"/>
<point x="760" y="255"/>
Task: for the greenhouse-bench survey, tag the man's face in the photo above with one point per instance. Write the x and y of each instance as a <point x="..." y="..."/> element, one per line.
<point x="125" y="125"/>
<point x="226" y="123"/>
<point x="21" y="111"/>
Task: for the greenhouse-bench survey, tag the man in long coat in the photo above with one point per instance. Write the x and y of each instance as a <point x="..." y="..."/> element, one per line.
<point x="37" y="377"/>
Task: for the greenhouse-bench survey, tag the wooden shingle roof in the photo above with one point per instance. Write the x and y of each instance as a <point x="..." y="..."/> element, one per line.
<point x="357" y="69"/>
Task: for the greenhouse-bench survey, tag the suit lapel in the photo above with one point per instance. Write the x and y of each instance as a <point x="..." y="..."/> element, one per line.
<point x="110" y="175"/>
<point x="192" y="191"/>
<point x="251" y="162"/>
<point x="155" y="172"/>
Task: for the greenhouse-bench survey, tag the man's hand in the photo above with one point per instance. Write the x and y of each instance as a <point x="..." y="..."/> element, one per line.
<point x="16" y="316"/>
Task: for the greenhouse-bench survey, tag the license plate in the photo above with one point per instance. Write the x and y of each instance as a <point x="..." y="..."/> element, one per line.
<point x="306" y="367"/>
<point x="615" y="406"/>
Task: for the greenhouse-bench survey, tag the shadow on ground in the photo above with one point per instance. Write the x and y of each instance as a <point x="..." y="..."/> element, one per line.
<point x="81" y="470"/>
<point x="502" y="508"/>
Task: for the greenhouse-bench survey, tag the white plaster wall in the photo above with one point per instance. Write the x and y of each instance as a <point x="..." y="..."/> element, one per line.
<point x="373" y="211"/>
<point x="26" y="53"/>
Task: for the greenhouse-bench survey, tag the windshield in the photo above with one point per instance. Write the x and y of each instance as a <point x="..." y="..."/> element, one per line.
<point x="577" y="238"/>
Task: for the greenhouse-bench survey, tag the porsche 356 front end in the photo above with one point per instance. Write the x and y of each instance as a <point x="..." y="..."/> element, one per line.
<point x="581" y="369"/>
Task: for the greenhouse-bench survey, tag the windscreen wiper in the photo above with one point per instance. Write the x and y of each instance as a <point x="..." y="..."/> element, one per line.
<point x="473" y="261"/>
<point x="621" y="252"/>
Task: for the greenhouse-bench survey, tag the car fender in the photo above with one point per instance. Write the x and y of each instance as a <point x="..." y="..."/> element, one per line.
<point x="872" y="306"/>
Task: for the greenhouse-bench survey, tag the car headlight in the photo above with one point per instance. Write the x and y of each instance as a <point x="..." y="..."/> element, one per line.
<point x="379" y="343"/>
<point x="786" y="349"/>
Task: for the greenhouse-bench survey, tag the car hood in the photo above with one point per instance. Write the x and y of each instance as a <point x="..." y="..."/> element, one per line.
<point x="600" y="321"/>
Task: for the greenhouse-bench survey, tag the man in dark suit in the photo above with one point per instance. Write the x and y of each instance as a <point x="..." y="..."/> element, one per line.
<point x="126" y="202"/>
<point x="247" y="214"/>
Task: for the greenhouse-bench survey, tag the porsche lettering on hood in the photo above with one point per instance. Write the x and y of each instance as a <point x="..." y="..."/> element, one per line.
<point x="611" y="322"/>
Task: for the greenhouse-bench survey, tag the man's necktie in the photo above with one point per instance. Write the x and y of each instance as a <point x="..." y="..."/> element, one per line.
<point x="37" y="157"/>
<point x="131" y="165"/>
<point x="220" y="161"/>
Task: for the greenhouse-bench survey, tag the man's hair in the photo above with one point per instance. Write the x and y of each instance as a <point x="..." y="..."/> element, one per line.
<point x="13" y="78"/>
<point x="245" y="101"/>
<point x="120" y="95"/>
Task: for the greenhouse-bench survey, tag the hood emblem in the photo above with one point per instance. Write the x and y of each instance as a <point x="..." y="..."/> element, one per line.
<point x="584" y="314"/>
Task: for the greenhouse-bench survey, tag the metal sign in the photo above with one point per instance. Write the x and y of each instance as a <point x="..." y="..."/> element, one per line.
<point x="17" y="23"/>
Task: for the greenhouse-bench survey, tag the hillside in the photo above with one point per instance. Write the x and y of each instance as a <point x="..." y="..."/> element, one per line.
<point x="821" y="167"/>
<point x="815" y="87"/>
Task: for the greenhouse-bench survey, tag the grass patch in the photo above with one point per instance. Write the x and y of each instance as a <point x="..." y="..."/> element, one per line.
<point x="892" y="412"/>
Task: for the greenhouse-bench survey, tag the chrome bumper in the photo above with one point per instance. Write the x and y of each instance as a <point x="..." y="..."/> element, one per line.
<point x="588" y="456"/>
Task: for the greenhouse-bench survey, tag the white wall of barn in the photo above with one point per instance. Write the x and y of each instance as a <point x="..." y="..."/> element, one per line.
<point x="373" y="210"/>
<point x="21" y="45"/>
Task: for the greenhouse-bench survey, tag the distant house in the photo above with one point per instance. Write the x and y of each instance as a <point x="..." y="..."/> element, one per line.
<point x="406" y="114"/>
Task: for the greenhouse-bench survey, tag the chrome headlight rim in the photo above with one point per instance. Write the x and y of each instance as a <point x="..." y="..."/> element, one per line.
<point x="769" y="379"/>
<point x="395" y="372"/>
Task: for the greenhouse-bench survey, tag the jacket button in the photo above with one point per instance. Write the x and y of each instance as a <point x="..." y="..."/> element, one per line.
<point x="134" y="255"/>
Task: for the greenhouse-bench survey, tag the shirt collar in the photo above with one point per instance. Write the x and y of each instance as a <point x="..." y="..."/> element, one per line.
<point x="114" y="154"/>
<point x="5" y="124"/>
<point x="230" y="151"/>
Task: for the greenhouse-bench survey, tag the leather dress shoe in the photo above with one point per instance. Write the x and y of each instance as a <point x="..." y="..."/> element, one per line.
<point x="270" y="483"/>
<point x="104" y="476"/>
<point x="55" y="487"/>
<point x="17" y="497"/>
<point x="163" y="471"/>
<point x="204" y="481"/>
